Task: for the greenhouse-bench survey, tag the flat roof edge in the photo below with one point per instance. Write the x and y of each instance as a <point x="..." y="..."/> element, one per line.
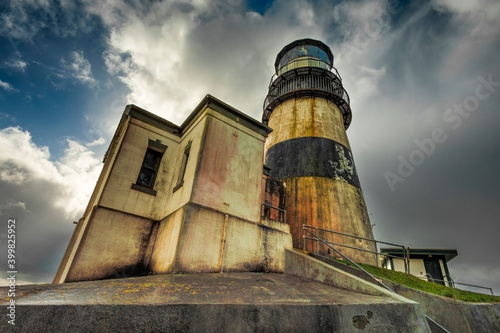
<point x="228" y="111"/>
<point x="447" y="253"/>
<point x="150" y="118"/>
<point x="208" y="101"/>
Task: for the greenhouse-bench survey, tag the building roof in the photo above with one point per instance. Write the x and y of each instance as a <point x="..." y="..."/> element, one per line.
<point x="447" y="253"/>
<point x="207" y="101"/>
<point x="305" y="41"/>
<point x="228" y="111"/>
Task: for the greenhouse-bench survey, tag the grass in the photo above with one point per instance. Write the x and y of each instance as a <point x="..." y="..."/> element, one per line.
<point x="433" y="288"/>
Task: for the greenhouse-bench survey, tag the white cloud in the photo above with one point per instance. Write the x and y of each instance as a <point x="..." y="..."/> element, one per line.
<point x="13" y="175"/>
<point x="18" y="64"/>
<point x="73" y="175"/>
<point x="367" y="82"/>
<point x="7" y="86"/>
<point x="78" y="68"/>
<point x="170" y="59"/>
<point x="96" y="142"/>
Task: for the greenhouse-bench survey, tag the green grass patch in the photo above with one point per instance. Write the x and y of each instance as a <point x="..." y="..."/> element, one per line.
<point x="430" y="287"/>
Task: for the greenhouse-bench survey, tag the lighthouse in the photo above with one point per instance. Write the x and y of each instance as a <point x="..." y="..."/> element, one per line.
<point x="308" y="109"/>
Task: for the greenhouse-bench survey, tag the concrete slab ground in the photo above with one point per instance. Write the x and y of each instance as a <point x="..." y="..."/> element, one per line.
<point x="224" y="288"/>
<point x="225" y="302"/>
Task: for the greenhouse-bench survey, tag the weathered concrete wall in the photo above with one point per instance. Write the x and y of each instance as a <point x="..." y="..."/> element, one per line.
<point x="114" y="245"/>
<point x="193" y="136"/>
<point x="200" y="241"/>
<point x="255" y="247"/>
<point x="229" y="302"/>
<point x="209" y="222"/>
<point x="300" y="264"/>
<point x="230" y="170"/>
<point x="309" y="151"/>
<point x="164" y="247"/>
<point x="407" y="316"/>
<point x="276" y="238"/>
<point x="329" y="204"/>
<point x="118" y="193"/>
<point x="94" y="199"/>
<point x="306" y="117"/>
<point x="212" y="241"/>
<point x="202" y="318"/>
<point x="454" y="315"/>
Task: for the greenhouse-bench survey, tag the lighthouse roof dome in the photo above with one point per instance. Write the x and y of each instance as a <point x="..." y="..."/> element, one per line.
<point x="303" y="48"/>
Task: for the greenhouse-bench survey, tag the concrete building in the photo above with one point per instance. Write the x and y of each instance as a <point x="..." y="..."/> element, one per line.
<point x="198" y="198"/>
<point x="429" y="264"/>
<point x="174" y="199"/>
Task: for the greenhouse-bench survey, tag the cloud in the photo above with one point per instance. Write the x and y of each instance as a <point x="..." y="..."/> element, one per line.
<point x="480" y="31"/>
<point x="7" y="86"/>
<point x="172" y="56"/>
<point x="366" y="83"/>
<point x="7" y="116"/>
<point x="22" y="20"/>
<point x="17" y="64"/>
<point x="44" y="195"/>
<point x="11" y="205"/>
<point x="77" y="68"/>
<point x="22" y="161"/>
<point x="96" y="142"/>
<point x="74" y="69"/>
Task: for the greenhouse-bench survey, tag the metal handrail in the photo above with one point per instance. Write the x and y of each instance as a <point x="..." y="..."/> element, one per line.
<point x="319" y="83"/>
<point x="307" y="76"/>
<point x="311" y="62"/>
<point x="281" y="212"/>
<point x="406" y="253"/>
<point x="453" y="282"/>
<point x="348" y="259"/>
<point x="429" y="319"/>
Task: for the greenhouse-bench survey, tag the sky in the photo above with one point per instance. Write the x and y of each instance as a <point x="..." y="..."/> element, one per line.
<point x="422" y="76"/>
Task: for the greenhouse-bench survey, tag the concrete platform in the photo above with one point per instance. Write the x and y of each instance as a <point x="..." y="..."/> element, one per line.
<point x="222" y="288"/>
<point x="224" y="302"/>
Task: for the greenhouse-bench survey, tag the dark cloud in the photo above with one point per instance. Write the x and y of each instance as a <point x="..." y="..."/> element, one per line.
<point x="42" y="230"/>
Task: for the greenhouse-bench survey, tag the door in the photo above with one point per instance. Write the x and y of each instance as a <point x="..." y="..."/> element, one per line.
<point x="433" y="269"/>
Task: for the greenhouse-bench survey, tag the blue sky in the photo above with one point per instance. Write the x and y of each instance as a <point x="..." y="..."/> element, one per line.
<point x="413" y="70"/>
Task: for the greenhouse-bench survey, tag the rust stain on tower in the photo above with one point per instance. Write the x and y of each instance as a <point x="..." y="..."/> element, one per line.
<point x="308" y="109"/>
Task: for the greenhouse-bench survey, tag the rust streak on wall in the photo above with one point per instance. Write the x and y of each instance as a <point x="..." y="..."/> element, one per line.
<point x="223" y="242"/>
<point x="309" y="151"/>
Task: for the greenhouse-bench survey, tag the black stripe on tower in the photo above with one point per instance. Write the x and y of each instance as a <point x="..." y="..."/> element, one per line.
<point x="312" y="156"/>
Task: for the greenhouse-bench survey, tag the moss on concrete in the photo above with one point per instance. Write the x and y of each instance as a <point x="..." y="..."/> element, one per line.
<point x="433" y="288"/>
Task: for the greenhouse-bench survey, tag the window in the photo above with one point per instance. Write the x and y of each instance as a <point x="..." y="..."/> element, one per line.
<point x="150" y="166"/>
<point x="182" y="171"/>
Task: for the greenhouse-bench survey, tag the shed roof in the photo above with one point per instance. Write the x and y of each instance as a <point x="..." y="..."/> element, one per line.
<point x="447" y="253"/>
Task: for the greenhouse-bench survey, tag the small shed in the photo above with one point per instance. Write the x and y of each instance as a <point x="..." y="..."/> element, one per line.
<point x="430" y="264"/>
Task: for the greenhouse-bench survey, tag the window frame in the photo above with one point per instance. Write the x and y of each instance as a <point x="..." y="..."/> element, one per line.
<point x="182" y="170"/>
<point x="159" y="148"/>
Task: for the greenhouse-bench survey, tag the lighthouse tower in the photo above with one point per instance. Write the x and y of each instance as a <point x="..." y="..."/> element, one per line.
<point x="308" y="109"/>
